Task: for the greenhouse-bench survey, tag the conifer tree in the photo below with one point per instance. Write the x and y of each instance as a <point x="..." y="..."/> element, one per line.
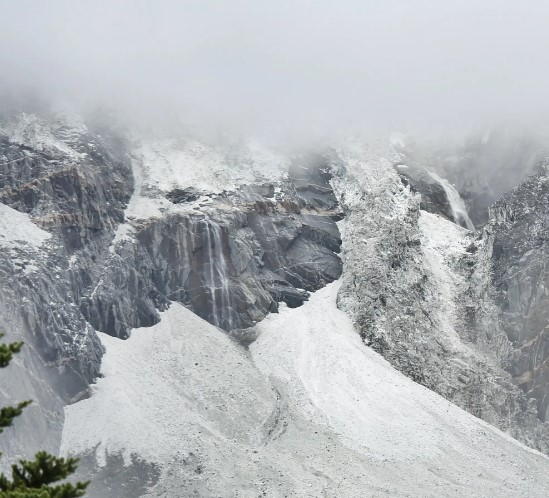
<point x="36" y="478"/>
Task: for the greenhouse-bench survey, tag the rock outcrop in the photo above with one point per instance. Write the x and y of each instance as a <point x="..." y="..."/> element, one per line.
<point x="229" y="256"/>
<point x="419" y="291"/>
<point x="230" y="261"/>
<point x="433" y="197"/>
<point x="520" y="258"/>
<point x="107" y="233"/>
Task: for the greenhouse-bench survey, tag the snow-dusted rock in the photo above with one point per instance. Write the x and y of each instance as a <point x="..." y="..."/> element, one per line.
<point x="422" y="297"/>
<point x="183" y="240"/>
<point x="519" y="257"/>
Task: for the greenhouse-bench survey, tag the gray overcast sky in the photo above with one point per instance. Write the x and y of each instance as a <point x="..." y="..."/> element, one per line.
<point x="298" y="64"/>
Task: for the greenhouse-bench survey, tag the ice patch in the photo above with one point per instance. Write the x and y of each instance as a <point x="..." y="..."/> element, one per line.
<point x="17" y="230"/>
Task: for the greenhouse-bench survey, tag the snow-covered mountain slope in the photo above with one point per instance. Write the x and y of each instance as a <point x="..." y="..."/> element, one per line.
<point x="162" y="166"/>
<point x="311" y="411"/>
<point x="128" y="237"/>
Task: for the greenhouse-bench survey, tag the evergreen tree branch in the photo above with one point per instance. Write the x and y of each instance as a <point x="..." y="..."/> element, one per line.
<point x="32" y="478"/>
<point x="8" y="413"/>
<point x="7" y="351"/>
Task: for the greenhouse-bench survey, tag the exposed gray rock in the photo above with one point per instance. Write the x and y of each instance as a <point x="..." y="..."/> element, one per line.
<point x="178" y="196"/>
<point x="433" y="197"/>
<point x="520" y="257"/>
<point x="230" y="261"/>
<point x="429" y="310"/>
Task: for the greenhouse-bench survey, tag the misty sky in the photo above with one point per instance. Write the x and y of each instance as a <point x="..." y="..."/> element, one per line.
<point x="392" y="64"/>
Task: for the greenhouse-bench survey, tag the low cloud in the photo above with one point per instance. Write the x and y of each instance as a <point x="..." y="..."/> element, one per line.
<point x="303" y="67"/>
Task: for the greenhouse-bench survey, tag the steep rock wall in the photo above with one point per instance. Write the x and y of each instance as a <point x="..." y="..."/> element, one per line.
<point x="74" y="185"/>
<point x="520" y="235"/>
<point x="230" y="256"/>
<point x="419" y="292"/>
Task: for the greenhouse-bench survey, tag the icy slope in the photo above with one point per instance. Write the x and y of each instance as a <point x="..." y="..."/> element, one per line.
<point x="312" y="412"/>
<point x="161" y="397"/>
<point x="380" y="413"/>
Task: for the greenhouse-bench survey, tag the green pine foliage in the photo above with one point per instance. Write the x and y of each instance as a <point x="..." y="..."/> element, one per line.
<point x="7" y="351"/>
<point x="38" y="478"/>
<point x="8" y="413"/>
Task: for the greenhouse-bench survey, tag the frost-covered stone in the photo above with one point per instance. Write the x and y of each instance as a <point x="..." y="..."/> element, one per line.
<point x="519" y="259"/>
<point x="422" y="297"/>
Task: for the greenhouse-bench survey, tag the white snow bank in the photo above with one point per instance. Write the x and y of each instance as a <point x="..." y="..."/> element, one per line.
<point x="345" y="423"/>
<point x="186" y="162"/>
<point x="17" y="230"/>
<point x="344" y="385"/>
<point x="164" y="389"/>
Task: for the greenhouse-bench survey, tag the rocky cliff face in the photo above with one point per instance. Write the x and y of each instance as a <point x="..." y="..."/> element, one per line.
<point x="231" y="256"/>
<point x="433" y="196"/>
<point x="519" y="232"/>
<point x="418" y="288"/>
<point x="104" y="234"/>
<point x="70" y="184"/>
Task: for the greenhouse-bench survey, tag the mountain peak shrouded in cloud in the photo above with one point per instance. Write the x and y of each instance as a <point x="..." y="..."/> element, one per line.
<point x="300" y="66"/>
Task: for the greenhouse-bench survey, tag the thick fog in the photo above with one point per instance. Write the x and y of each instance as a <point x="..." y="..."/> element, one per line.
<point x="303" y="66"/>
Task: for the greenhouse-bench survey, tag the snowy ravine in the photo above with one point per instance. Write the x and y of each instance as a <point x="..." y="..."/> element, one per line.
<point x="311" y="411"/>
